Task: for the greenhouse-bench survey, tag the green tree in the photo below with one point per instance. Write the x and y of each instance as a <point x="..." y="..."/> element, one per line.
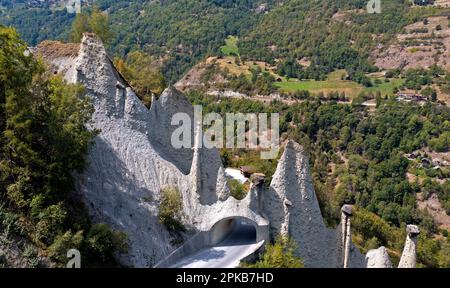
<point x="444" y="255"/>
<point x="433" y="96"/>
<point x="96" y="22"/>
<point x="280" y="254"/>
<point x="378" y="100"/>
<point x="442" y="143"/>
<point x="237" y="189"/>
<point x="80" y="25"/>
<point x="143" y="74"/>
<point x="171" y="209"/>
<point x="99" y="24"/>
<point x="103" y="242"/>
<point x="427" y="251"/>
<point x="43" y="144"/>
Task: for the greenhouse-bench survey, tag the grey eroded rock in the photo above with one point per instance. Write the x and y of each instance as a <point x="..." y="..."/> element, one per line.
<point x="347" y="209"/>
<point x="408" y="259"/>
<point x="378" y="258"/>
<point x="133" y="159"/>
<point x="291" y="205"/>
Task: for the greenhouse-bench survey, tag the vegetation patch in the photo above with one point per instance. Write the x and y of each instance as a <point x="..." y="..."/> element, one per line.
<point x="142" y="72"/>
<point x="335" y="83"/>
<point x="230" y="48"/>
<point x="171" y="209"/>
<point x="358" y="157"/>
<point x="350" y="88"/>
<point x="43" y="144"/>
<point x="237" y="189"/>
<point x="281" y="254"/>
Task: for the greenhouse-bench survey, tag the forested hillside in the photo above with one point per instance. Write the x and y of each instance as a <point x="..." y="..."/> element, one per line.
<point x="358" y="157"/>
<point x="182" y="32"/>
<point x="331" y="34"/>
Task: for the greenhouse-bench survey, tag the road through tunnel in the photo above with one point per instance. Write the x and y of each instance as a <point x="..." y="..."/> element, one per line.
<point x="234" y="231"/>
<point x="231" y="240"/>
<point x="223" y="245"/>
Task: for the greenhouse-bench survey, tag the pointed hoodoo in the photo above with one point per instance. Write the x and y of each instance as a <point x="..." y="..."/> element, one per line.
<point x="347" y="213"/>
<point x="196" y="172"/>
<point x="256" y="192"/>
<point x="292" y="187"/>
<point x="292" y="208"/>
<point x="223" y="191"/>
<point x="378" y="258"/>
<point x="408" y="259"/>
<point x="205" y="173"/>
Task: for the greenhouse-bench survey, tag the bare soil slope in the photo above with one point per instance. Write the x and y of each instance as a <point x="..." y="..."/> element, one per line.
<point x="420" y="46"/>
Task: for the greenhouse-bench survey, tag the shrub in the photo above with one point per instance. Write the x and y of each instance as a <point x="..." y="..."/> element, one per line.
<point x="372" y="226"/>
<point x="281" y="254"/>
<point x="171" y="209"/>
<point x="444" y="256"/>
<point x="32" y="257"/>
<point x="103" y="242"/>
<point x="442" y="143"/>
<point x="50" y="223"/>
<point x="447" y="207"/>
<point x="372" y="243"/>
<point x="427" y="251"/>
<point x="3" y="260"/>
<point x="63" y="243"/>
<point x="37" y="205"/>
<point x="139" y="69"/>
<point x="9" y="223"/>
<point x="237" y="189"/>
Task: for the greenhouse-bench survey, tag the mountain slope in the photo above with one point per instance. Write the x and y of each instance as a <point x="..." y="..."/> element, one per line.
<point x="180" y="31"/>
<point x="329" y="34"/>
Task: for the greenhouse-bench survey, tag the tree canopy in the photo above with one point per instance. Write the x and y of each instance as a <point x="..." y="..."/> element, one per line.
<point x="43" y="144"/>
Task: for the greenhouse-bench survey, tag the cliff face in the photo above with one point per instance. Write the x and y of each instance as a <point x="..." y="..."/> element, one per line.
<point x="133" y="160"/>
<point x="127" y="168"/>
<point x="292" y="208"/>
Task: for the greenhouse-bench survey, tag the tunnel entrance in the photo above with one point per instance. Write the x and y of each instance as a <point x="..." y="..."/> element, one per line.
<point x="233" y="231"/>
<point x="223" y="245"/>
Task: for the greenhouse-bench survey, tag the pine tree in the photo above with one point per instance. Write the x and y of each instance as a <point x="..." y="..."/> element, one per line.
<point x="79" y="26"/>
<point x="16" y="73"/>
<point x="281" y="254"/>
<point x="44" y="136"/>
<point x="139" y="69"/>
<point x="96" y="22"/>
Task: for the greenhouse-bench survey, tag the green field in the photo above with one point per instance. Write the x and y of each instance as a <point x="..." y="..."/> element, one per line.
<point x="334" y="83"/>
<point x="350" y="88"/>
<point x="385" y="88"/>
<point x="230" y="48"/>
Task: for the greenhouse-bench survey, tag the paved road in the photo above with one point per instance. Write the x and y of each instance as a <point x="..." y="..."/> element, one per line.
<point x="228" y="253"/>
